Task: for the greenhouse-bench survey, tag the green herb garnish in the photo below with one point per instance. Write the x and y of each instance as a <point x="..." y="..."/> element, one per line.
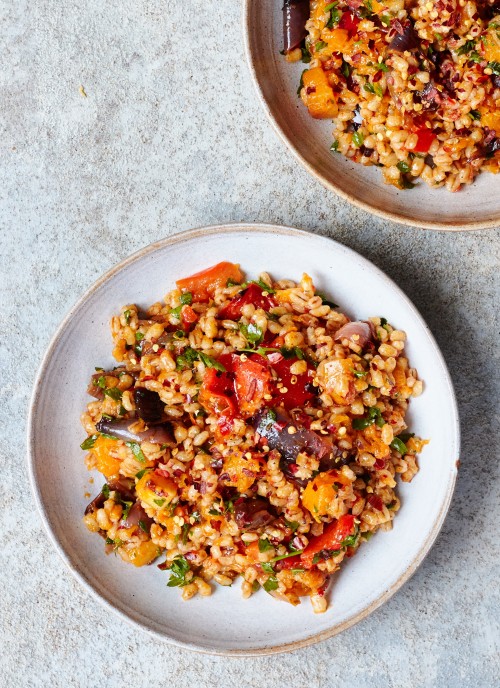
<point x="287" y="556"/>
<point x="264" y="545"/>
<point x="178" y="570"/>
<point x="142" y="472"/>
<point x="136" y="451"/>
<point x="105" y="491"/>
<point x="403" y="167"/>
<point x="113" y="393"/>
<point x="495" y="67"/>
<point x="293" y="525"/>
<point x="399" y="446"/>
<point x="270" y="584"/>
<point x="126" y="315"/>
<point x="143" y="527"/>
<point x="466" y="48"/>
<point x="139" y="336"/>
<point x="301" y="82"/>
<point x="335" y="146"/>
<point x="159" y="502"/>
<point x="474" y="114"/>
<point x="358" y="138"/>
<point x="210" y="362"/>
<point x="89" y="442"/>
<point x="267" y="567"/>
<point x="326" y="301"/>
<point x="186" y="298"/>
<point x="374" y="415"/>
<point x="252" y="333"/>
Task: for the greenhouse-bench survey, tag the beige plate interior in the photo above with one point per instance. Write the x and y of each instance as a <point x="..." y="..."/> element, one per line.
<point x="475" y="207"/>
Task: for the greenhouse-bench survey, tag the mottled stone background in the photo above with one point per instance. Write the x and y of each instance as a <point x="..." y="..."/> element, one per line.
<point x="171" y="136"/>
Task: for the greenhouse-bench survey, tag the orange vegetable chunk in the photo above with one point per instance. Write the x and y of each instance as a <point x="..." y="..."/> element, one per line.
<point x="203" y="284"/>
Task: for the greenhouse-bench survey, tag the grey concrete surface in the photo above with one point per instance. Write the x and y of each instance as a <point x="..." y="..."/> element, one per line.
<point x="171" y="136"/>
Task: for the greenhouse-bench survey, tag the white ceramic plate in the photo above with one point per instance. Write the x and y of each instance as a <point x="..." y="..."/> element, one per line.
<point x="474" y="207"/>
<point x="225" y="623"/>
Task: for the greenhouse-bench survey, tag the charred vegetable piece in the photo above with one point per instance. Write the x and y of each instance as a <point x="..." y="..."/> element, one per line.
<point x="295" y="16"/>
<point x="406" y="38"/>
<point x="252" y="294"/>
<point x="138" y="517"/>
<point x="274" y="424"/>
<point x="331" y="539"/>
<point x="148" y="405"/>
<point x="359" y="333"/>
<point x="202" y="285"/>
<point x="252" y="513"/>
<point x="97" y="384"/>
<point x="118" y="427"/>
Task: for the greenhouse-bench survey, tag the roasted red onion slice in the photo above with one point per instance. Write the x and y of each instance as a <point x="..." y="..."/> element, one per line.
<point x="357" y="332"/>
<point x="252" y="513"/>
<point x="148" y="405"/>
<point x="295" y="15"/>
<point x="118" y="427"/>
<point x="275" y="430"/>
<point x="135" y="515"/>
<point x="406" y="39"/>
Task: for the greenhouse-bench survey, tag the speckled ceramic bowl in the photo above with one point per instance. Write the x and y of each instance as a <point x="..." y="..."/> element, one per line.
<point x="476" y="206"/>
<point x="225" y="623"/>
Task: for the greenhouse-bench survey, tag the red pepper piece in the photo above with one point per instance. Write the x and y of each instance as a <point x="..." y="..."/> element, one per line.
<point x="252" y="294"/>
<point x="425" y="139"/>
<point x="331" y="538"/>
<point x="298" y="393"/>
<point x="350" y="22"/>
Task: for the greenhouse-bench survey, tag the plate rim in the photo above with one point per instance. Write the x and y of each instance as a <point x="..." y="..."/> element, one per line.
<point x="180" y="237"/>
<point x="467" y="226"/>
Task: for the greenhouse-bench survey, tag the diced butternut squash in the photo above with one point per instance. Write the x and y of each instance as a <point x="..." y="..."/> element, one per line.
<point x="144" y="553"/>
<point x="317" y="94"/>
<point x="321" y="491"/>
<point x="336" y="39"/>
<point x="105" y="463"/>
<point x="241" y="471"/>
<point x="491" y="46"/>
<point x="490" y="119"/>
<point x="156" y="490"/>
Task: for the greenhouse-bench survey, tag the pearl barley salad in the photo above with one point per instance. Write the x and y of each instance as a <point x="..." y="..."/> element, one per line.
<point x="412" y="87"/>
<point x="250" y="429"/>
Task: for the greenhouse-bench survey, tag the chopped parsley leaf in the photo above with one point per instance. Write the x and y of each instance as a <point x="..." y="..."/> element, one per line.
<point x="136" y="451"/>
<point x="264" y="545"/>
<point x="270" y="584"/>
<point x="403" y="167"/>
<point x="186" y="298"/>
<point x="178" y="570"/>
<point x="252" y="333"/>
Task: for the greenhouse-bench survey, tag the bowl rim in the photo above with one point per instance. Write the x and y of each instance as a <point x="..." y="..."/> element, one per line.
<point x="181" y="237"/>
<point x="323" y="179"/>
